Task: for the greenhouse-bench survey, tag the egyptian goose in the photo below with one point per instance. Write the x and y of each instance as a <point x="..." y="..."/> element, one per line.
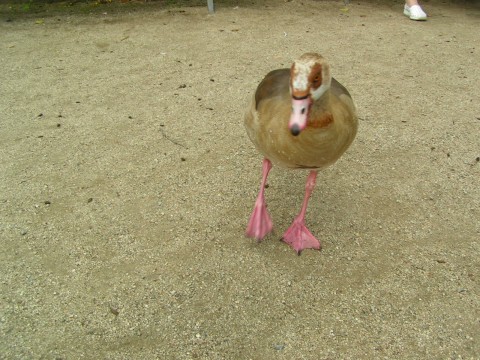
<point x="299" y="118"/>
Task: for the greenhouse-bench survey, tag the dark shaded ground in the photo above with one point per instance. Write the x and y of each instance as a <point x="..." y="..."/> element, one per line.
<point x="126" y="180"/>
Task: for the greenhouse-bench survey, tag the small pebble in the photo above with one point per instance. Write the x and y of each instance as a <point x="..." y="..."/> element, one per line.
<point x="279" y="347"/>
<point x="114" y="311"/>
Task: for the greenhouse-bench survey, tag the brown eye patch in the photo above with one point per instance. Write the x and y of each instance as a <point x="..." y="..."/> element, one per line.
<point x="315" y="77"/>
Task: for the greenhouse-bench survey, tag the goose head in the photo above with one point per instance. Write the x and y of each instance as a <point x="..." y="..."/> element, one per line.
<point x="309" y="80"/>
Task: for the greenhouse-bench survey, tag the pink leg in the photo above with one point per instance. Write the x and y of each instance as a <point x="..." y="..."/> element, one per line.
<point x="260" y="223"/>
<point x="297" y="235"/>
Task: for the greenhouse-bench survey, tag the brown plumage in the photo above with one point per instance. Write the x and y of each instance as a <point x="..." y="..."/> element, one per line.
<point x="299" y="118"/>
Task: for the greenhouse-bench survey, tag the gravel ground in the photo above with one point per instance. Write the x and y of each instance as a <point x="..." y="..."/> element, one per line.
<point x="127" y="179"/>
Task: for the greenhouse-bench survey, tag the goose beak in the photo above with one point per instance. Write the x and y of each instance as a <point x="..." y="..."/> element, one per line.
<point x="299" y="116"/>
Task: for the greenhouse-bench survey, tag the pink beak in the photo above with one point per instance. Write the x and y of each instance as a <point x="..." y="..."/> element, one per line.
<point x="299" y="116"/>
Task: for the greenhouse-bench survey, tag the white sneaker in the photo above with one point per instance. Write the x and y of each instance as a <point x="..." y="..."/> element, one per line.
<point x="414" y="12"/>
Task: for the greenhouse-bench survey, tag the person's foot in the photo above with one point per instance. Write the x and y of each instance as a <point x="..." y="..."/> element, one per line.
<point x="414" y="12"/>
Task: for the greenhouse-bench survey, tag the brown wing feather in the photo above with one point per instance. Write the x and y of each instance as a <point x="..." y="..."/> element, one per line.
<point x="276" y="83"/>
<point x="338" y="89"/>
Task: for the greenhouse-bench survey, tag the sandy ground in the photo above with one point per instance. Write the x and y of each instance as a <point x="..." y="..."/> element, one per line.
<point x="127" y="179"/>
